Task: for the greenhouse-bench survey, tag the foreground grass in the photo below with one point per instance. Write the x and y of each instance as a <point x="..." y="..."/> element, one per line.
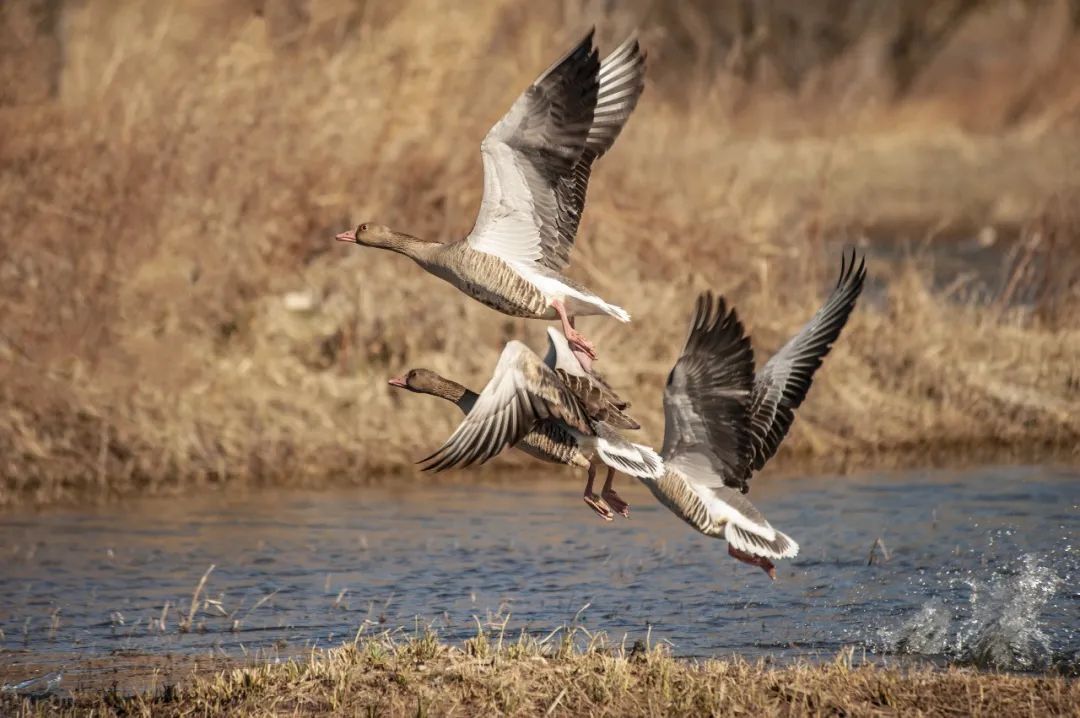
<point x="425" y="677"/>
<point x="175" y="312"/>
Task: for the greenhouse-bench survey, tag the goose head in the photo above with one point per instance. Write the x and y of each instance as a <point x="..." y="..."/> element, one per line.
<point x="369" y="235"/>
<point x="425" y="381"/>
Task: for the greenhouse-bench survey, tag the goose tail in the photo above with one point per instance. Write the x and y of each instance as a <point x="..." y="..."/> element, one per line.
<point x="631" y="459"/>
<point x="759" y="544"/>
<point x="591" y="305"/>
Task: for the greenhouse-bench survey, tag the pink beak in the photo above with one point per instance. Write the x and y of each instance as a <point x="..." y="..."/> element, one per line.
<point x="398" y="381"/>
<point x="349" y="236"/>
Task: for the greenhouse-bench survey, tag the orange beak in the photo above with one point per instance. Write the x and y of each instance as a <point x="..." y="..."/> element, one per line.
<point x="398" y="381"/>
<point x="349" y="236"/>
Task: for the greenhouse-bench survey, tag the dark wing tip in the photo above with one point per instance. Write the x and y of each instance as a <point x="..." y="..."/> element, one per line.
<point x="853" y="278"/>
<point x="784" y="381"/>
<point x="457" y="451"/>
<point x="582" y="57"/>
<point x="633" y="49"/>
<point x="587" y="42"/>
<point x="714" y="324"/>
<point x="849" y="274"/>
<point x="442" y="460"/>
<point x="716" y="369"/>
<point x="432" y="463"/>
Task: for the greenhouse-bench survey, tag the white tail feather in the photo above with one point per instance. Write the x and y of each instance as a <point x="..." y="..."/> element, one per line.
<point x="631" y="459"/>
<point x="618" y="312"/>
<point x="780" y="546"/>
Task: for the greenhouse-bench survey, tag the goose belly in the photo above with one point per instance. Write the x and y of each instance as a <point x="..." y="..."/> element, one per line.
<point x="553" y="443"/>
<point x="676" y="494"/>
<point x="516" y="297"/>
<point x="492" y="282"/>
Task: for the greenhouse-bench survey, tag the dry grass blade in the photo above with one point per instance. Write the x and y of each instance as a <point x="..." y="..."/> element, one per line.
<point x="385" y="676"/>
<point x="187" y="623"/>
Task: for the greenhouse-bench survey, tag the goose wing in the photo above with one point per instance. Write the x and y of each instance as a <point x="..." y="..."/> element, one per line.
<point x="782" y="384"/>
<point x="538" y="157"/>
<point x="521" y="392"/>
<point x="707" y="397"/>
<point x="588" y="385"/>
<point x="599" y="400"/>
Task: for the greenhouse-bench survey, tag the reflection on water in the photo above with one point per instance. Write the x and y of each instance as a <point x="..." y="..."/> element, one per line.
<point x="294" y="570"/>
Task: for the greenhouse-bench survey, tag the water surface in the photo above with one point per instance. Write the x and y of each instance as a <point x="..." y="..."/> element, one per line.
<point x="294" y="570"/>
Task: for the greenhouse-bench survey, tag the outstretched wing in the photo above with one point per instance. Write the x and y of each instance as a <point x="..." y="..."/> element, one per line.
<point x="538" y="157"/>
<point x="707" y="397"/>
<point x="783" y="382"/>
<point x="622" y="80"/>
<point x="521" y="392"/>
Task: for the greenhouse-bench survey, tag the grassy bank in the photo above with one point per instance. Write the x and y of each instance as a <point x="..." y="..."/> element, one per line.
<point x="175" y="312"/>
<point x="425" y="677"/>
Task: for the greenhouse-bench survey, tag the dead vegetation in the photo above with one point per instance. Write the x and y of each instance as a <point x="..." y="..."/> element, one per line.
<point x="552" y="677"/>
<point x="176" y="314"/>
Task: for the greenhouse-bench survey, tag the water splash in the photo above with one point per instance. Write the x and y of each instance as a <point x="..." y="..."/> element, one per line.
<point x="925" y="634"/>
<point x="1003" y="631"/>
<point x="998" y="627"/>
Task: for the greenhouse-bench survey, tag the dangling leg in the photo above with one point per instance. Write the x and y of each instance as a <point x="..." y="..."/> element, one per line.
<point x="760" y="561"/>
<point x="611" y="498"/>
<point x="593" y="500"/>
<point x="582" y="347"/>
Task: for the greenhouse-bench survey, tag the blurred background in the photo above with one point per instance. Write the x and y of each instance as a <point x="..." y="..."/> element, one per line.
<point x="176" y="313"/>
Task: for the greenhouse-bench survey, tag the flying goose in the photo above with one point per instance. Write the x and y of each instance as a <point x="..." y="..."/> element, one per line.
<point x="722" y="422"/>
<point x="553" y="440"/>
<point x="537" y="161"/>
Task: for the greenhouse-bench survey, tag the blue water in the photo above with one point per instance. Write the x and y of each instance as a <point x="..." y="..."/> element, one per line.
<point x="295" y="570"/>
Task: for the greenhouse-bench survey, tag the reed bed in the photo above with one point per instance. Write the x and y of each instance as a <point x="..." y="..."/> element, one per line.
<point x="176" y="314"/>
<point x="556" y="676"/>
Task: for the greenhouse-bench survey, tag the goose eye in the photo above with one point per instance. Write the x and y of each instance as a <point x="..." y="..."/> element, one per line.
<point x="361" y="228"/>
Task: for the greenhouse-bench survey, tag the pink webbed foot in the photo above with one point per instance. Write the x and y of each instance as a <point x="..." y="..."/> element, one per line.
<point x="760" y="561"/>
<point x="616" y="503"/>
<point x="593" y="502"/>
<point x="583" y="349"/>
<point x="611" y="498"/>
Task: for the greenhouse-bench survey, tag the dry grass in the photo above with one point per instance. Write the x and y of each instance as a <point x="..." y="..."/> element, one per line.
<point x="171" y="171"/>
<point x="422" y="676"/>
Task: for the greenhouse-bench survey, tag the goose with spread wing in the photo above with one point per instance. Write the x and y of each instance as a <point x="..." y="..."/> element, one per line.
<point x="722" y="422"/>
<point x="587" y="439"/>
<point x="537" y="161"/>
